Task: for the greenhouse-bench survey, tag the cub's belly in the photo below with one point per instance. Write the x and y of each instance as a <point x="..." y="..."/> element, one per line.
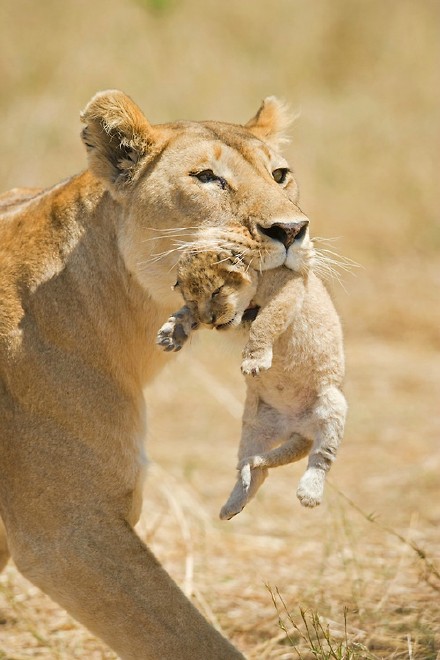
<point x="291" y="395"/>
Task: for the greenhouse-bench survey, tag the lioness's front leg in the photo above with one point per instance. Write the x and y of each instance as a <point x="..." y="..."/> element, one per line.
<point x="174" y="333"/>
<point x="92" y="563"/>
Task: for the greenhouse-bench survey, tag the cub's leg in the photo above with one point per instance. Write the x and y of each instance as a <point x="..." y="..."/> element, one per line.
<point x="294" y="449"/>
<point x="328" y="419"/>
<point x="243" y="491"/>
<point x="262" y="428"/>
<point x="285" y="292"/>
<point x="4" y="550"/>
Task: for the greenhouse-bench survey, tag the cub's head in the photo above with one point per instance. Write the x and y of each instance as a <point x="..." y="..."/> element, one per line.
<point x="216" y="286"/>
<point x="175" y="183"/>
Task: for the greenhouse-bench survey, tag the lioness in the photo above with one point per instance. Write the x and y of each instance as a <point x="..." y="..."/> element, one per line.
<point x="86" y="269"/>
<point x="294" y="407"/>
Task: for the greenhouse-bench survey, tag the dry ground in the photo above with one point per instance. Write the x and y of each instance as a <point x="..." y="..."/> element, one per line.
<point x="365" y="149"/>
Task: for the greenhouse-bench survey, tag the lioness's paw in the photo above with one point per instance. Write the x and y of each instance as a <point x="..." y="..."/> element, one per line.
<point x="311" y="487"/>
<point x="171" y="335"/>
<point x="254" y="362"/>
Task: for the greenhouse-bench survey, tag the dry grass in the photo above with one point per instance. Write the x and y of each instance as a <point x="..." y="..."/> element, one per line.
<point x="361" y="572"/>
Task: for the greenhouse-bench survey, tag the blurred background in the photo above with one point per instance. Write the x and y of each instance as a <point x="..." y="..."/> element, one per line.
<point x="364" y="77"/>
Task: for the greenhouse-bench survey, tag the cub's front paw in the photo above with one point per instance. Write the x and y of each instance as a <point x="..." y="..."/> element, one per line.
<point x="256" y="361"/>
<point x="311" y="487"/>
<point x="172" y="335"/>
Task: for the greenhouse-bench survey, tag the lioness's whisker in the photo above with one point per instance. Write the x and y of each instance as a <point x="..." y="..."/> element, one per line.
<point x="322" y="239"/>
<point x="161" y="238"/>
<point x="333" y="260"/>
<point x="330" y="263"/>
<point x="199" y="248"/>
<point x="157" y="257"/>
<point x="164" y="229"/>
<point x="326" y="274"/>
<point x="325" y="270"/>
<point x="346" y="265"/>
<point x="342" y="258"/>
<point x="248" y="265"/>
<point x="170" y="232"/>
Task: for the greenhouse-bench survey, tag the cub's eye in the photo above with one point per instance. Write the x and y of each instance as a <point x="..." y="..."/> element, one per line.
<point x="216" y="292"/>
<point x="208" y="176"/>
<point x="280" y="175"/>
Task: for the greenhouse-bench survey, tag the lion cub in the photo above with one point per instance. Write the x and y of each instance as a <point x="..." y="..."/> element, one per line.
<point x="293" y="362"/>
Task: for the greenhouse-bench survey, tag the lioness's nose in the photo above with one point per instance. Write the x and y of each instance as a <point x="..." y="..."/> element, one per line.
<point x="285" y="232"/>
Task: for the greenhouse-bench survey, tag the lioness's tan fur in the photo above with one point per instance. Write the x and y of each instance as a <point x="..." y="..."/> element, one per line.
<point x="86" y="270"/>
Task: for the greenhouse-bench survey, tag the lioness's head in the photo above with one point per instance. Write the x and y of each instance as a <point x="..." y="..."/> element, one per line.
<point x="216" y="285"/>
<point x="174" y="181"/>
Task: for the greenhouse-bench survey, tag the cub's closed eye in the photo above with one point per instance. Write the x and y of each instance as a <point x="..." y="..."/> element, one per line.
<point x="208" y="176"/>
<point x="280" y="174"/>
<point x="216" y="292"/>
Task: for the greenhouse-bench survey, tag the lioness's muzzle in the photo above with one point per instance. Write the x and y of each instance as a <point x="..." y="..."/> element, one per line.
<point x="285" y="232"/>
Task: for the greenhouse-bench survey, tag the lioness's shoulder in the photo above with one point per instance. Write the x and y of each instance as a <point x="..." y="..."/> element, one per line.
<point x="38" y="228"/>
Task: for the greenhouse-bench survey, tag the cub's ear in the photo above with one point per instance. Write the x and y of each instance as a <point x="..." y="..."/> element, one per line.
<point x="237" y="273"/>
<point x="117" y="136"/>
<point x="271" y="122"/>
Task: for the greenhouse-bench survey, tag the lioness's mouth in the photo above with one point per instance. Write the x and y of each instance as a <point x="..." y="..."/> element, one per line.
<point x="224" y="326"/>
<point x="250" y="314"/>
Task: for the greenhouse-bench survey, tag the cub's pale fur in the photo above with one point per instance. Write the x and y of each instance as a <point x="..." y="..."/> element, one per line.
<point x="86" y="269"/>
<point x="293" y="361"/>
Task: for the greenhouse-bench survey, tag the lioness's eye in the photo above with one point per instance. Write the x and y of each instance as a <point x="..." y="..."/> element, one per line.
<point x="280" y="175"/>
<point x="208" y="176"/>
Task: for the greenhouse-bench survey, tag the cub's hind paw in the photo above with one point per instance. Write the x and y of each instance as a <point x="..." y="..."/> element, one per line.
<point x="254" y="362"/>
<point x="311" y="487"/>
<point x="236" y="502"/>
<point x="228" y="510"/>
<point x="307" y="499"/>
<point x="239" y="496"/>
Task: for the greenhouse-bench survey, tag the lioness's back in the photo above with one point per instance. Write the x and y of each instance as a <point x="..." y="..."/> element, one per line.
<point x="16" y="196"/>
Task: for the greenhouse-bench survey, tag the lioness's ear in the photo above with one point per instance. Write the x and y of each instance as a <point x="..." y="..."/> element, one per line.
<point x="271" y="122"/>
<point x="117" y="136"/>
